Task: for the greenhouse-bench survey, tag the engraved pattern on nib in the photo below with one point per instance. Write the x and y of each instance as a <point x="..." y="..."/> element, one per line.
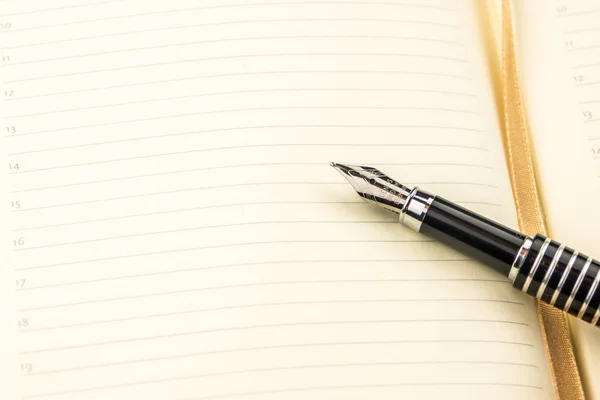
<point x="374" y="186"/>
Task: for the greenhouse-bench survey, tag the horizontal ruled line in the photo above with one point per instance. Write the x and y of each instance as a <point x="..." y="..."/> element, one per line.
<point x="174" y="191"/>
<point x="279" y="347"/>
<point x="239" y="56"/>
<point x="589" y="101"/>
<point x="197" y="132"/>
<point x="584" y="48"/>
<point x="361" y="203"/>
<point x="434" y="40"/>
<point x="237" y="166"/>
<point x="285" y="368"/>
<point x="572" y="31"/>
<point x="238" y="224"/>
<point x="60" y="8"/>
<point x="280" y="325"/>
<point x="93" y="260"/>
<point x="573" y="14"/>
<point x="262" y="146"/>
<point x="188" y="209"/>
<point x="587" y="84"/>
<point x="258" y="284"/>
<point x="268" y="108"/>
<point x="169" y="116"/>
<point x="250" y="184"/>
<point x="355" y="387"/>
<point x="237" y="265"/>
<point x="585" y="65"/>
<point x="277" y="304"/>
<point x="279" y="20"/>
<point x="188" y="9"/>
<point x="336" y="72"/>
<point x="248" y="146"/>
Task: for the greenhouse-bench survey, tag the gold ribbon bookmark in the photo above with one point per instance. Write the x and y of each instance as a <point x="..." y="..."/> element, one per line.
<point x="555" y="330"/>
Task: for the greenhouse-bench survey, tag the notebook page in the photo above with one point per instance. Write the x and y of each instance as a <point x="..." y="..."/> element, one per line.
<point x="559" y="50"/>
<point x="175" y="231"/>
<point x="581" y="35"/>
<point x="580" y="32"/>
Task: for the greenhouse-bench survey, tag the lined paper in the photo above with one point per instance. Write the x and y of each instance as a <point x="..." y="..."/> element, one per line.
<point x="557" y="55"/>
<point x="580" y="25"/>
<point x="176" y="231"/>
<point x="571" y="30"/>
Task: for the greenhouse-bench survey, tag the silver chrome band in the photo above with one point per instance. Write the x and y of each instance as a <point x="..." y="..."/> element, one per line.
<point x="577" y="284"/>
<point x="536" y="264"/>
<point x="564" y="277"/>
<point x="520" y="258"/>
<point x="596" y="317"/>
<point x="416" y="207"/>
<point x="551" y="268"/>
<point x="589" y="296"/>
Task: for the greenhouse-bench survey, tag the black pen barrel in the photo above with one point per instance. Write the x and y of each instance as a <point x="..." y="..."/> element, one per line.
<point x="474" y="235"/>
<point x="543" y="268"/>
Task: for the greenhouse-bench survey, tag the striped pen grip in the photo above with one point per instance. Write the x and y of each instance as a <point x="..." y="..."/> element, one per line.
<point x="560" y="276"/>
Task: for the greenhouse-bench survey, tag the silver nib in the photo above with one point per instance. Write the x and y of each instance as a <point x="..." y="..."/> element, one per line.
<point x="374" y="186"/>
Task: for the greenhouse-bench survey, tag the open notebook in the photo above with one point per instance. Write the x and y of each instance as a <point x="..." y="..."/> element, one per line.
<point x="174" y="230"/>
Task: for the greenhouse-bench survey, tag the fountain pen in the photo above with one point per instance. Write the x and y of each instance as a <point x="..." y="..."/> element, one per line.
<point x="539" y="266"/>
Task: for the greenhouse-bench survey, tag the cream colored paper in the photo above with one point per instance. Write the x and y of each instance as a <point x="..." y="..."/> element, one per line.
<point x="557" y="51"/>
<point x="175" y="230"/>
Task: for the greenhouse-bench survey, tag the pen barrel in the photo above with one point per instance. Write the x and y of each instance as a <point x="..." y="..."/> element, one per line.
<point x="472" y="234"/>
<point x="540" y="267"/>
<point x="562" y="277"/>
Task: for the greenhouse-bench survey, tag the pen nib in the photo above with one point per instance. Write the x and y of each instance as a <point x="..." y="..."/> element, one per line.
<point x="374" y="186"/>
